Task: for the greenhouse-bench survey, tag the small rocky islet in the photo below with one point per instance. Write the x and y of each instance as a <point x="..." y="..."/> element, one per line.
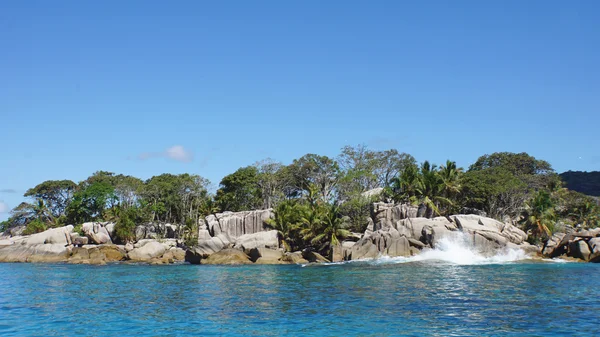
<point x="235" y="238"/>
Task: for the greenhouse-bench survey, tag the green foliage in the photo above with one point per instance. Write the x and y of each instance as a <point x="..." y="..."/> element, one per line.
<point x="316" y="199"/>
<point x="321" y="172"/>
<point x="429" y="186"/>
<point x="239" y="191"/>
<point x="190" y="236"/>
<point x="358" y="211"/>
<point x="539" y="216"/>
<point x="494" y="190"/>
<point x="56" y="194"/>
<point x="126" y="223"/>
<point x="35" y="226"/>
<point x="175" y="198"/>
<point x="90" y="202"/>
<point x="78" y="228"/>
<point x="286" y="220"/>
<point x="5" y="225"/>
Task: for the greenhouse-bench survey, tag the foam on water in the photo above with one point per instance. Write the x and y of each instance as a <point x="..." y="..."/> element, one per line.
<point x="456" y="249"/>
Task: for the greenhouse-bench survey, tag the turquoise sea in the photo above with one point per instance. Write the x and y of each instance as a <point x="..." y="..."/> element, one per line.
<point x="388" y="297"/>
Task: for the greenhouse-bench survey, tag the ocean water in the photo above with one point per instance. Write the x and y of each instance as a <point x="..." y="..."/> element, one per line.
<point x="451" y="291"/>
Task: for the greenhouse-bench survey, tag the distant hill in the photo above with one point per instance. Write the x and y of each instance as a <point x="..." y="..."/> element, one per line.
<point x="583" y="182"/>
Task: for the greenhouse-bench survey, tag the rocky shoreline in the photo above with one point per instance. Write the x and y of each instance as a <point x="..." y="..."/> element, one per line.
<point x="244" y="238"/>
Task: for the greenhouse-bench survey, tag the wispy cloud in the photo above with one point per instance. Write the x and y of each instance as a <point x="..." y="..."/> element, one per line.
<point x="4" y="207"/>
<point x="176" y="152"/>
<point x="8" y="190"/>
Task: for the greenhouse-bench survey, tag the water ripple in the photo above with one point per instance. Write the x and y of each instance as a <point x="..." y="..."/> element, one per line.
<point x="366" y="299"/>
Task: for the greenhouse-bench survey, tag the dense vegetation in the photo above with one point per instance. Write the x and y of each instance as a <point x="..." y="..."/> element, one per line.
<point x="318" y="200"/>
<point x="583" y="182"/>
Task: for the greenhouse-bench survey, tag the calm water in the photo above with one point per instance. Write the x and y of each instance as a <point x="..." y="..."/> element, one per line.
<point x="368" y="299"/>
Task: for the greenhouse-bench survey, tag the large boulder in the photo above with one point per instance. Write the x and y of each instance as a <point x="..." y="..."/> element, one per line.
<point x="314" y="257"/>
<point x="363" y="249"/>
<point x="294" y="257"/>
<point x="236" y="224"/>
<point x="147" y="252"/>
<point x="388" y="214"/>
<point x="594" y="244"/>
<point x="59" y="236"/>
<point x="579" y="249"/>
<point x="265" y="255"/>
<point x="269" y="239"/>
<point x="34" y="253"/>
<point x="97" y="232"/>
<point x="490" y="229"/>
<point x="228" y="257"/>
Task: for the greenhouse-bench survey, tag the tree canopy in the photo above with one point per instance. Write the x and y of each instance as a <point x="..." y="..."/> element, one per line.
<point x="318" y="199"/>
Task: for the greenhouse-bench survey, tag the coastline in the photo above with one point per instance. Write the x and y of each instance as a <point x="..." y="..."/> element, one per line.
<point x="238" y="238"/>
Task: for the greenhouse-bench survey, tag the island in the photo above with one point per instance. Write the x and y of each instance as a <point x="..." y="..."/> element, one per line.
<point x="363" y="204"/>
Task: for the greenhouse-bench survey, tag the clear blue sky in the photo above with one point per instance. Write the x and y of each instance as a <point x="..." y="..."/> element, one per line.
<point x="112" y="85"/>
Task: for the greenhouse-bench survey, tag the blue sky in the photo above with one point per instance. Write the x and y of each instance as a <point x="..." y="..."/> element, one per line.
<point x="147" y="87"/>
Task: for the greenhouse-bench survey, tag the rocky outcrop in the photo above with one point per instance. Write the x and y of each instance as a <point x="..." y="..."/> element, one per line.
<point x="63" y="245"/>
<point x="394" y="230"/>
<point x="227" y="257"/>
<point x="98" y="232"/>
<point x="156" y="231"/>
<point x="147" y="252"/>
<point x="294" y="258"/>
<point x="386" y="214"/>
<point x="243" y="231"/>
<point x="235" y="224"/>
<point x="583" y="245"/>
<point x="266" y="256"/>
<point x="269" y="239"/>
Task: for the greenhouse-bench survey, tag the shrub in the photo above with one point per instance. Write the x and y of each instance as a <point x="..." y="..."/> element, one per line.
<point x="35" y="226"/>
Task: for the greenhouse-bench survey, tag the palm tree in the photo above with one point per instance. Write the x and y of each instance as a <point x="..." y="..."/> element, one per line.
<point x="587" y="215"/>
<point x="286" y="222"/>
<point x="450" y="177"/>
<point x="331" y="230"/>
<point x="404" y="187"/>
<point x="422" y="186"/>
<point x="429" y="191"/>
<point x="539" y="216"/>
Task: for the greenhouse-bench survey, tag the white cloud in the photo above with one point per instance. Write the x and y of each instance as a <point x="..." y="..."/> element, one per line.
<point x="8" y="190"/>
<point x="176" y="152"/>
<point x="4" y="207"/>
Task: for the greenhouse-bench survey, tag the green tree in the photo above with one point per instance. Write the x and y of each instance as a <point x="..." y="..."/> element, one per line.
<point x="450" y="176"/>
<point x="240" y="191"/>
<point x="315" y="170"/>
<point x="90" y="202"/>
<point x="539" y="216"/>
<point x="330" y="231"/>
<point x="286" y="220"/>
<point x="127" y="219"/>
<point x="495" y="190"/>
<point x="56" y="195"/>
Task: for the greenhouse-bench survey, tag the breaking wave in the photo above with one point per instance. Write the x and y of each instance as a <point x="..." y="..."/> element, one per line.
<point x="457" y="249"/>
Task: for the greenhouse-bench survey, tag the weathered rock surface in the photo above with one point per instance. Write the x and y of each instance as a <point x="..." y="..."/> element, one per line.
<point x="34" y="253"/>
<point x="60" y="236"/>
<point x="265" y="256"/>
<point x="236" y="224"/>
<point x="148" y="251"/>
<point x="97" y="232"/>
<point x="227" y="257"/>
<point x="156" y="231"/>
<point x="314" y="257"/>
<point x="268" y="239"/>
<point x="294" y="257"/>
<point x="583" y="245"/>
<point x="594" y="244"/>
